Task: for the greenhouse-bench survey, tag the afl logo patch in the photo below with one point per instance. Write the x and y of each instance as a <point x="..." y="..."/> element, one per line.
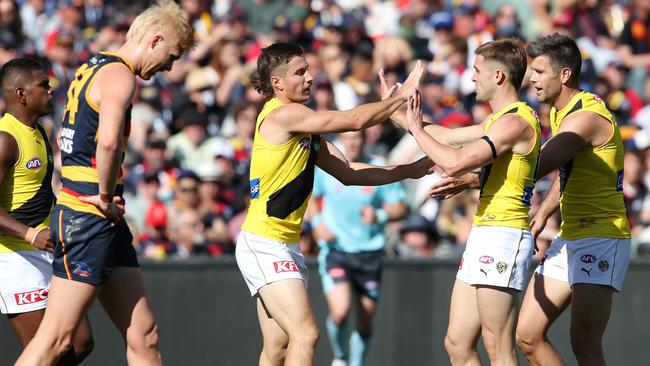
<point x="34" y="163"/>
<point x="486" y="259"/>
<point x="588" y="258"/>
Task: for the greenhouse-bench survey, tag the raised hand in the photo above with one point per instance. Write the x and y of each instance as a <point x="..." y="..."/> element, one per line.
<point x="386" y="91"/>
<point x="412" y="83"/>
<point x="414" y="112"/>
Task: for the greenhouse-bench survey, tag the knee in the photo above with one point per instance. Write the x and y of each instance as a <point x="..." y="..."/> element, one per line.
<point x="307" y="335"/>
<point x="454" y="346"/>
<point x="275" y="352"/>
<point x="526" y="340"/>
<point x="339" y="317"/>
<point x="142" y="338"/>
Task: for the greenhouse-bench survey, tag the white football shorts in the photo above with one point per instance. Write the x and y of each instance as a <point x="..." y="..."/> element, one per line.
<point x="497" y="256"/>
<point x="24" y="280"/>
<point x="263" y="261"/>
<point x="599" y="261"/>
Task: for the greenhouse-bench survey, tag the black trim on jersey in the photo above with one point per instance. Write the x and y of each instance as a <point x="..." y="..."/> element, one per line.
<point x="576" y="107"/>
<point x="36" y="209"/>
<point x="565" y="173"/>
<point x="290" y="197"/>
<point x="492" y="147"/>
<point x="513" y="110"/>
<point x="485" y="174"/>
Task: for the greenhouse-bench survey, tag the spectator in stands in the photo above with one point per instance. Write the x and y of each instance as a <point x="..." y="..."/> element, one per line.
<point x="634" y="44"/>
<point x="419" y="239"/>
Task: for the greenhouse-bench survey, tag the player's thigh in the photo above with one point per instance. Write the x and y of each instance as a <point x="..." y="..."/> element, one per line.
<point x="67" y="304"/>
<point x="464" y="321"/>
<point x="273" y="335"/>
<point x="544" y="301"/>
<point x="25" y="325"/>
<point x="590" y="309"/>
<point x="496" y="307"/>
<point x="124" y="299"/>
<point x="287" y="303"/>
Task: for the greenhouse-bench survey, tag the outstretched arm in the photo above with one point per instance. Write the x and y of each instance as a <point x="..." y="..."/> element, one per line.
<point x="447" y="136"/>
<point x="500" y="138"/>
<point x="296" y="117"/>
<point x="331" y="160"/>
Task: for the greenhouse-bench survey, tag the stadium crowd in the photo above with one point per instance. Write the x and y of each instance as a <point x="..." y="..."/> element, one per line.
<point x="186" y="169"/>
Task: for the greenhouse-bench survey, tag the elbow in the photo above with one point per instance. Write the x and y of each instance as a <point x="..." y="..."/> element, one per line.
<point x="108" y="144"/>
<point x="345" y="180"/>
<point x="453" y="171"/>
<point x="358" y="123"/>
<point x="456" y="169"/>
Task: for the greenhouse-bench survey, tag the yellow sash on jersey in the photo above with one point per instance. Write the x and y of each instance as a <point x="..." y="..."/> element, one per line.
<point x="507" y="183"/>
<point x="592" y="182"/>
<point x="281" y="180"/>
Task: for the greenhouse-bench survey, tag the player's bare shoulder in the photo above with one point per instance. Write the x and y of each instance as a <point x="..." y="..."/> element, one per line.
<point x="289" y="113"/>
<point x="115" y="79"/>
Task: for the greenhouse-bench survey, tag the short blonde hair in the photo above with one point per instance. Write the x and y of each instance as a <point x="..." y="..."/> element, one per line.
<point x="165" y="16"/>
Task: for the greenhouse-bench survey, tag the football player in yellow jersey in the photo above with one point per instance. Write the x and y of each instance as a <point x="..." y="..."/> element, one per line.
<point x="94" y="256"/>
<point x="587" y="262"/>
<point x="26" y="201"/>
<point x="286" y="147"/>
<point x="495" y="265"/>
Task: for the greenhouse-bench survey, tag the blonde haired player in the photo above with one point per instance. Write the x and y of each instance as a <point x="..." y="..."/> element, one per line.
<point x="93" y="255"/>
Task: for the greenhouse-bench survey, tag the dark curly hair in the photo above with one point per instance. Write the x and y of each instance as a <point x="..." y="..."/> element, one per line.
<point x="277" y="54"/>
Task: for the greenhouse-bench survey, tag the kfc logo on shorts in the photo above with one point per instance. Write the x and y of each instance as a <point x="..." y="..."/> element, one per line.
<point x="34" y="163"/>
<point x="30" y="297"/>
<point x="460" y="266"/>
<point x="285" y="266"/>
<point x="486" y="259"/>
<point x="588" y="258"/>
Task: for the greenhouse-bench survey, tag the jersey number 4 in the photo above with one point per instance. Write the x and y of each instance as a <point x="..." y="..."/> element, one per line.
<point x="80" y="78"/>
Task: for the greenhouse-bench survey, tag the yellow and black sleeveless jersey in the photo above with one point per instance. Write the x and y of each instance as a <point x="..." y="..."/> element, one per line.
<point x="281" y="181"/>
<point x="592" y="182"/>
<point x="79" y="137"/>
<point x="507" y="183"/>
<point x="26" y="193"/>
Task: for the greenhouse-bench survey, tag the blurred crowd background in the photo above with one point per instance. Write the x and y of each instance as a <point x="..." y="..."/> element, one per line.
<point x="186" y="169"/>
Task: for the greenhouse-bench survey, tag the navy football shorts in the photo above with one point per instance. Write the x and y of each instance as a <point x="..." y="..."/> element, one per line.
<point x="87" y="247"/>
